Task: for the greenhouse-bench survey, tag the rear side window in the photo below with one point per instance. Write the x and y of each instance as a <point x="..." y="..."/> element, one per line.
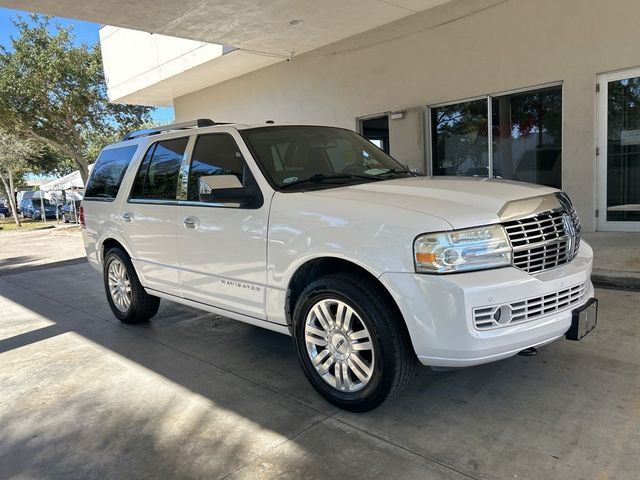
<point x="107" y="173"/>
<point x="215" y="154"/>
<point x="157" y="177"/>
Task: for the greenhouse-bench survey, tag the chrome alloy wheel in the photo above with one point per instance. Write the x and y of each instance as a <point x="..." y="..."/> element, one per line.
<point x="119" y="285"/>
<point x="339" y="345"/>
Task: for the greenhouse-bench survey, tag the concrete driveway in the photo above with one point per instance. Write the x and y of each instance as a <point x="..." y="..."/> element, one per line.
<point x="21" y="251"/>
<point x="191" y="395"/>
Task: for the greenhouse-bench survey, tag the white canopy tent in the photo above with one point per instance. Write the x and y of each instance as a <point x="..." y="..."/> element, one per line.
<point x="72" y="181"/>
<point x="63" y="189"/>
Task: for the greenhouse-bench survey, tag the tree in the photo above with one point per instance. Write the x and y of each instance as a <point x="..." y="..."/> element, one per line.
<point x="54" y="92"/>
<point x="15" y="153"/>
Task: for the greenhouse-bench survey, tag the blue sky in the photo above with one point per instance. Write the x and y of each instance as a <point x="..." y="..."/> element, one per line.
<point x="85" y="32"/>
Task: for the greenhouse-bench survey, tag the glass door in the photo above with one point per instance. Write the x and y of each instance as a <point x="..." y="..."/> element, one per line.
<point x="619" y="151"/>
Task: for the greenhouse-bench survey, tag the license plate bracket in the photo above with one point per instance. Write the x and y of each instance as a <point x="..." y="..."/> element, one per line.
<point x="583" y="320"/>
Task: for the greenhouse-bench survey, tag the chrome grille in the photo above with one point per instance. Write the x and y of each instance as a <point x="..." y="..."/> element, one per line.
<point x="546" y="240"/>
<point x="497" y="316"/>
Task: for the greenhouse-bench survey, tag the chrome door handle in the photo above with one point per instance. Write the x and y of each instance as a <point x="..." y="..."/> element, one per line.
<point x="190" y="222"/>
<point x="127" y="217"/>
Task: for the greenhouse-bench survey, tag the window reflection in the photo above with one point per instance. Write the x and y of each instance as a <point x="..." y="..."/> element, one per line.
<point x="108" y="172"/>
<point x="623" y="150"/>
<point x="158" y="173"/>
<point x="214" y="154"/>
<point x="527" y="136"/>
<point x="460" y="145"/>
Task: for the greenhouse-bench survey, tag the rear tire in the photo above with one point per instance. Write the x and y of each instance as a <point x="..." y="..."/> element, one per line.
<point x="358" y="363"/>
<point x="126" y="296"/>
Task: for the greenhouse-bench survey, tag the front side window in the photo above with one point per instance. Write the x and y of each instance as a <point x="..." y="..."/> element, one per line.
<point x="157" y="177"/>
<point x="290" y="155"/>
<point x="108" y="172"/>
<point x="214" y="154"/>
<point x="524" y="132"/>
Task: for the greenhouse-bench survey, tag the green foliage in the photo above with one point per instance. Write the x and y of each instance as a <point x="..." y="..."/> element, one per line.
<point x="55" y="93"/>
<point x="15" y="154"/>
<point x="52" y="162"/>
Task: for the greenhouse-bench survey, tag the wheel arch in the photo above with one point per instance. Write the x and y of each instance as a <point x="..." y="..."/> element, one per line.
<point x="318" y="267"/>
<point x="109" y="243"/>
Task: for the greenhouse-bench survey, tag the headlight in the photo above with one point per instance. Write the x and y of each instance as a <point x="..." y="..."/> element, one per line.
<point x="459" y="250"/>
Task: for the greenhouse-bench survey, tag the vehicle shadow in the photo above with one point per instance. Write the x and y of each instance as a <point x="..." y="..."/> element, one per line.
<point x="495" y="421"/>
<point x="7" y="264"/>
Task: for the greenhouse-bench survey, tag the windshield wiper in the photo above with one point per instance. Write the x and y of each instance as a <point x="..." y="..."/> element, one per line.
<point x="399" y="171"/>
<point x="322" y="177"/>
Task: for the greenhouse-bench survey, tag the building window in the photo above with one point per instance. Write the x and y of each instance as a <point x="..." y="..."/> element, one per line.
<point x="459" y="139"/>
<point x="376" y="130"/>
<point x="525" y="141"/>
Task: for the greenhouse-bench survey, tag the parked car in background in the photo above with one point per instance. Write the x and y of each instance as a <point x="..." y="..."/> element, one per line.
<point x="70" y="213"/>
<point x="31" y="208"/>
<point x="5" y="212"/>
<point x="317" y="233"/>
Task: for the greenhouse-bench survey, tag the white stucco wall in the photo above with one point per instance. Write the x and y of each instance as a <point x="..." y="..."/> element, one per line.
<point x="443" y="55"/>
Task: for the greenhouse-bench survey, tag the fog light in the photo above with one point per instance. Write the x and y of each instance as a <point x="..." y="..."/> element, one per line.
<point x="503" y="315"/>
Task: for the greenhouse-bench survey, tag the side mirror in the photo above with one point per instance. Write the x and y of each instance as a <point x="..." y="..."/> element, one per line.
<point x="224" y="188"/>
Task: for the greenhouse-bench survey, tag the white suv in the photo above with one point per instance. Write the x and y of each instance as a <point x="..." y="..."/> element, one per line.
<point x="316" y="233"/>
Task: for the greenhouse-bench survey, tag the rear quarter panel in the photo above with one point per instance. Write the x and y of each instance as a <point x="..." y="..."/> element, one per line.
<point x="103" y="217"/>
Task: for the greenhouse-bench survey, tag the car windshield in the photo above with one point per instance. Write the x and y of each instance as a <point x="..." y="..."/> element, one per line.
<point x="318" y="157"/>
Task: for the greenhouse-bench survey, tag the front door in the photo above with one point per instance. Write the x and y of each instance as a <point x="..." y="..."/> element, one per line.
<point x="222" y="243"/>
<point x="619" y="151"/>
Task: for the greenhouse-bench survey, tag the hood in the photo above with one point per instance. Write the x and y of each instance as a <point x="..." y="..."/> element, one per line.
<point x="461" y="201"/>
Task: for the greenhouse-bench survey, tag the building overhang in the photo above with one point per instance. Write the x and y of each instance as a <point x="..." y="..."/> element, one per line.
<point x="149" y="69"/>
<point x="158" y="50"/>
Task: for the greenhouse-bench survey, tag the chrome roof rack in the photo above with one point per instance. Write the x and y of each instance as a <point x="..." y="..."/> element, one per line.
<point x="200" y="122"/>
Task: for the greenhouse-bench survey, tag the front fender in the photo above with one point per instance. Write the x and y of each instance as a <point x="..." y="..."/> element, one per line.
<point x="377" y="238"/>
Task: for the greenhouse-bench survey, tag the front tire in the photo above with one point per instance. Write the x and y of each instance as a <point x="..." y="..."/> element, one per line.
<point x="351" y="342"/>
<point x="126" y="296"/>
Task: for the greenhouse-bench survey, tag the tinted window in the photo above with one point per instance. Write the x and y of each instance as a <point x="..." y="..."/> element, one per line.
<point x="527" y="136"/>
<point x="288" y="154"/>
<point x="138" y="184"/>
<point x="215" y="154"/>
<point x="460" y="144"/>
<point x="623" y="150"/>
<point x="158" y="174"/>
<point x="108" y="171"/>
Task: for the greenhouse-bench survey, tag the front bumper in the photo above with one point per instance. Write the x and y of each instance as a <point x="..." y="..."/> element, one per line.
<point x="438" y="310"/>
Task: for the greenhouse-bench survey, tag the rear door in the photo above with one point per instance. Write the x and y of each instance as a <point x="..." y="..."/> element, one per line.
<point x="149" y="215"/>
<point x="222" y="242"/>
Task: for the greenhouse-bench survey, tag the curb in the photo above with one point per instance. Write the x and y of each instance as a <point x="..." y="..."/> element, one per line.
<point x="615" y="281"/>
<point x="29" y="230"/>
